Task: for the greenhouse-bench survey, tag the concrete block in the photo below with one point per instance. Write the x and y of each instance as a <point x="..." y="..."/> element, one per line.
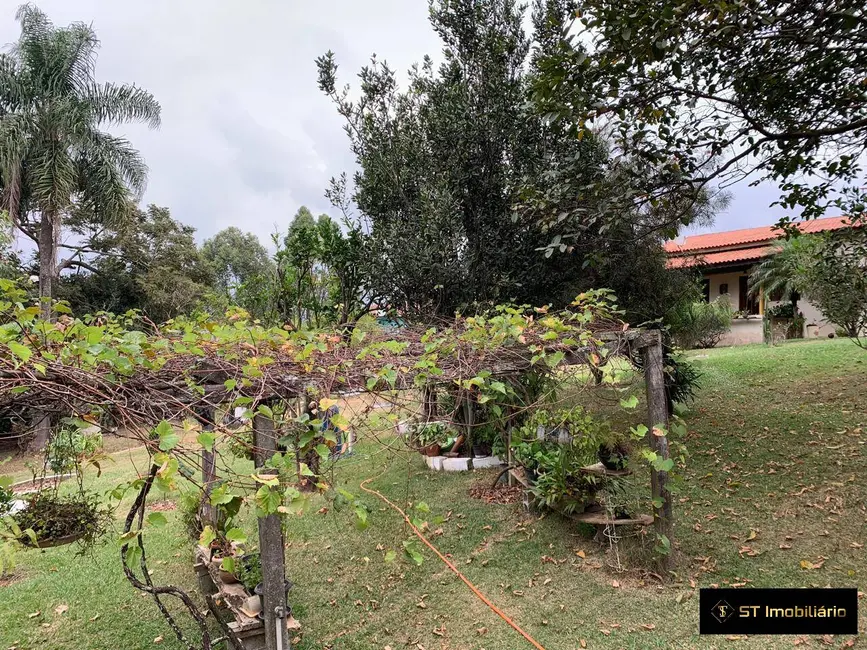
<point x="436" y="462"/>
<point x="456" y="464"/>
<point x="486" y="462"/>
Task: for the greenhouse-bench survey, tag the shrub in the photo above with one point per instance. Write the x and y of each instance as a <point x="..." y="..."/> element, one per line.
<point x="69" y="447"/>
<point x="572" y="441"/>
<point x="701" y="324"/>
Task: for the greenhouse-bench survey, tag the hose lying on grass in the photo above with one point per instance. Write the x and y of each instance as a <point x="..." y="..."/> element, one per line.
<point x="451" y="566"/>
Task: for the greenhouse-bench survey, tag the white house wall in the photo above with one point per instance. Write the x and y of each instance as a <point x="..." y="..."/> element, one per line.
<point x="719" y="279"/>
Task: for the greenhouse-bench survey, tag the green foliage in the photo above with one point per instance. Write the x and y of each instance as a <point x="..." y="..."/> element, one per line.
<point x="701" y="324"/>
<point x="828" y="270"/>
<point x="320" y="278"/>
<point x="706" y="94"/>
<point x="242" y="270"/>
<point x="249" y="571"/>
<point x="553" y="447"/>
<point x="149" y="262"/>
<point x="69" y="447"/>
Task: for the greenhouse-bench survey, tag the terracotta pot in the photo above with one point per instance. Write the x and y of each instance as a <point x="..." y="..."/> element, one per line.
<point x="227" y="577"/>
<point x="432" y="449"/>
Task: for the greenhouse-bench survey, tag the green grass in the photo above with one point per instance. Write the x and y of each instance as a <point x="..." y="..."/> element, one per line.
<point x="776" y="441"/>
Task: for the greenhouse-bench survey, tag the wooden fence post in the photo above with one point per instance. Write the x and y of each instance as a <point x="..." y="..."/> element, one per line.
<point x="205" y="416"/>
<point x="271" y="547"/>
<point x="657" y="411"/>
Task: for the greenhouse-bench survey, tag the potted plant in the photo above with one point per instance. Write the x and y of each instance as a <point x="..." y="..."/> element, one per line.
<point x="427" y="438"/>
<point x="52" y="519"/>
<point x="57" y="520"/>
<point x="249" y="573"/>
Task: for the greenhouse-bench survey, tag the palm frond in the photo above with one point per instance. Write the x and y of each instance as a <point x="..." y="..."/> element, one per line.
<point x="121" y="103"/>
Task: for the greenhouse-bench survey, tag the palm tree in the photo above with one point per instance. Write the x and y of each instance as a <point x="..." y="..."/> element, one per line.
<point x="53" y="156"/>
<point x="784" y="271"/>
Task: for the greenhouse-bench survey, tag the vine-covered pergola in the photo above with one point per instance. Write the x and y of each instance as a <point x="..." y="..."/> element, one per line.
<point x="191" y="369"/>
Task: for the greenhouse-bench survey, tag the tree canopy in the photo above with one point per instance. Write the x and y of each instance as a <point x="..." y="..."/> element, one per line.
<point x="712" y="93"/>
<point x="467" y="189"/>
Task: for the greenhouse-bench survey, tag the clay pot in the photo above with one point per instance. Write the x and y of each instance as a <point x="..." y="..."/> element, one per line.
<point x="432" y="449"/>
<point x="228" y="578"/>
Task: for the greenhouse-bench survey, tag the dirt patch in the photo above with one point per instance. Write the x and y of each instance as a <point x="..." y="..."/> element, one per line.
<point x="502" y="494"/>
<point x="163" y="506"/>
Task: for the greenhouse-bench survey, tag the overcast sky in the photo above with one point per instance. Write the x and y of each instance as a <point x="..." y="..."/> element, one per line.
<point x="246" y="136"/>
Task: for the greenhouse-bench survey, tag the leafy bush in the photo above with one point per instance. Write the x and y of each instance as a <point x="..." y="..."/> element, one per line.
<point x="69" y="446"/>
<point x="701" y="324"/>
<point x="572" y="439"/>
<point x="249" y="571"/>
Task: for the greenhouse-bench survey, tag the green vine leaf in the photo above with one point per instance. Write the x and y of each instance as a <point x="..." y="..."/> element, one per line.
<point x="157" y="519"/>
<point x="169" y="439"/>
<point x="207" y="439"/>
<point x="20" y="351"/>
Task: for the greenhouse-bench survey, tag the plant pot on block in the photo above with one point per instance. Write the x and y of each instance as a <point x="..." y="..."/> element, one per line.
<point x="613" y="456"/>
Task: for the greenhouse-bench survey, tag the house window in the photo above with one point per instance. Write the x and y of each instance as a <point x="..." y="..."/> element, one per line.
<point x="723" y="288"/>
<point x="705" y="289"/>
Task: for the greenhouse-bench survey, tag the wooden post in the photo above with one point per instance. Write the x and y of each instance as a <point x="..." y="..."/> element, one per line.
<point x="271" y="547"/>
<point x="657" y="411"/>
<point x="205" y="416"/>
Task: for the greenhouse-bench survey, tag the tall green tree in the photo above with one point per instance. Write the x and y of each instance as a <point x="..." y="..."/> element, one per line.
<point x="54" y="157"/>
<point x="150" y="263"/>
<point x="242" y="268"/>
<point x="321" y="273"/>
<point x="470" y="194"/>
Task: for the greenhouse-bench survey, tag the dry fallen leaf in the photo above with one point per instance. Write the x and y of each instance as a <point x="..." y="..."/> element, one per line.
<point x="60" y="610"/>
<point x="482" y="631"/>
<point x="785" y="547"/>
<point x="615" y="584"/>
<point x="580" y="554"/>
<point x="753" y="534"/>
<point x="33" y="615"/>
<point x="159" y="639"/>
<point x="582" y="643"/>
<point x="93" y="618"/>
<point x="648" y="626"/>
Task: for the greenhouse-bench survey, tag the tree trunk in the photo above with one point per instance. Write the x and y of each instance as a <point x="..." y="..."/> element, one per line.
<point x="48" y="240"/>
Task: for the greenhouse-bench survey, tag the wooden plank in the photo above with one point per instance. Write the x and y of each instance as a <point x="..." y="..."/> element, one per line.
<point x="520" y="475"/>
<point x="602" y="519"/>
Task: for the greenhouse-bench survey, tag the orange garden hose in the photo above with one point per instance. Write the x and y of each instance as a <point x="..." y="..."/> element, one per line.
<point x="451" y="566"/>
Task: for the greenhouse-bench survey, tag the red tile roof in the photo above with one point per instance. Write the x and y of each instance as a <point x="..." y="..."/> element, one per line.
<point x="733" y="238"/>
<point x="724" y="257"/>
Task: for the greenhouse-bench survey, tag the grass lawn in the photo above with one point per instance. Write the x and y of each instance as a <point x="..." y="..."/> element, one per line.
<point x="775" y="478"/>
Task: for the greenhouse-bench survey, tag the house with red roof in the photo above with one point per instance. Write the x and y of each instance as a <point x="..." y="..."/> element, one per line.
<point x="726" y="259"/>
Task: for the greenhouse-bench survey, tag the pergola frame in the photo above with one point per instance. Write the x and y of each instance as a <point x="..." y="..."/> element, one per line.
<point x="195" y="385"/>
